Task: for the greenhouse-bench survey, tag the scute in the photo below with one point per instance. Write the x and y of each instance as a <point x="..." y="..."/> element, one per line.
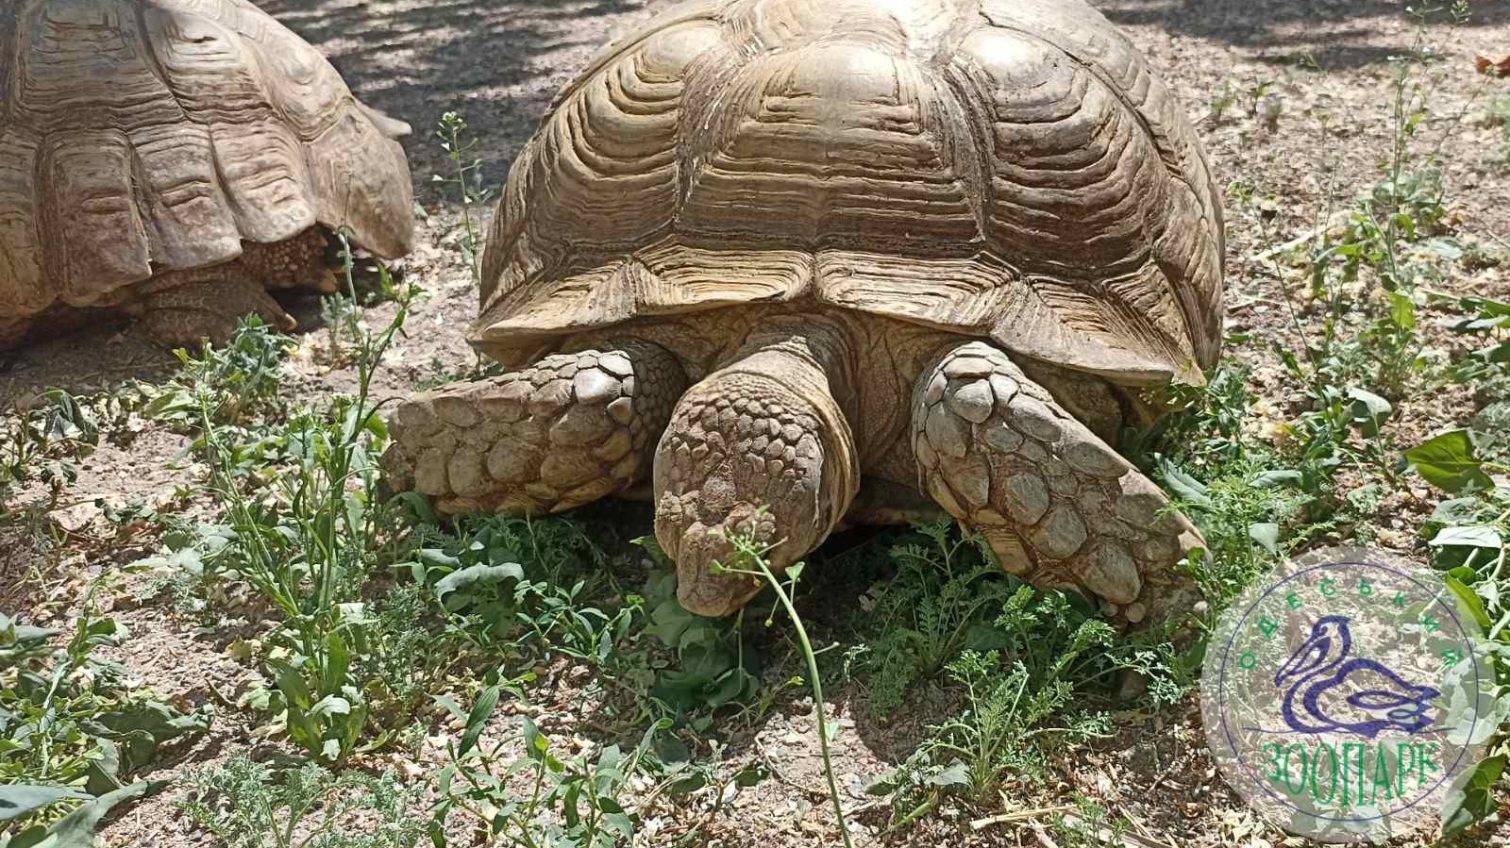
<point x="94" y="233"/>
<point x="1001" y="168"/>
<point x="163" y="135"/>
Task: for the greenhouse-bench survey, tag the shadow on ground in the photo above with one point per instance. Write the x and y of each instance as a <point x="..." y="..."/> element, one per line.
<point x="500" y="62"/>
<point x="497" y="62"/>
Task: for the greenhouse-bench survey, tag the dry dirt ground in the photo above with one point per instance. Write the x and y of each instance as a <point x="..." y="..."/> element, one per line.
<point x="1293" y="100"/>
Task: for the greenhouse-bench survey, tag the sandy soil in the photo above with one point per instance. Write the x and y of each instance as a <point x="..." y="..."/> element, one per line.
<point x="1289" y="67"/>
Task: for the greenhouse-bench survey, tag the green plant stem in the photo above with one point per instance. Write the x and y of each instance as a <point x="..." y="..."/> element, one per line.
<point x="812" y="670"/>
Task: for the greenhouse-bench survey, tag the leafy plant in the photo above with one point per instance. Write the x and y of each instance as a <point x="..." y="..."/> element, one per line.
<point x="1222" y="99"/>
<point x="1467" y="538"/>
<point x="1486" y="323"/>
<point x="750" y="559"/>
<point x="70" y="728"/>
<point x="946" y="592"/>
<point x="1009" y="701"/>
<point x="527" y="591"/>
<point x="714" y="665"/>
<point x="999" y="735"/>
<point x="229" y="384"/>
<point x="1050" y="652"/>
<point x="246" y="804"/>
<point x="1089" y="825"/>
<point x="306" y="539"/>
<point x="572" y="801"/>
<point x="42" y="440"/>
<point x="466" y="181"/>
<point x="77" y="829"/>
<point x="502" y="578"/>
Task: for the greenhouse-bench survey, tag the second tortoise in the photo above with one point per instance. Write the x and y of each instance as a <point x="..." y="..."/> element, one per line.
<point x="172" y="160"/>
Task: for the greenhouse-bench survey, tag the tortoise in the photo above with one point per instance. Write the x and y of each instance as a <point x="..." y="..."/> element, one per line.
<point x="173" y="159"/>
<point x="800" y="262"/>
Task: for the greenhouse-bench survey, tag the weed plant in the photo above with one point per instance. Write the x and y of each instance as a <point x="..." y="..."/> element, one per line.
<point x="42" y="442"/>
<point x="305" y="536"/>
<point x="248" y="804"/>
<point x="750" y="559"/>
<point x="465" y="180"/>
<point x="1467" y="537"/>
<point x="1027" y="663"/>
<point x="564" y="800"/>
<point x="231" y="384"/>
<point x="71" y="728"/>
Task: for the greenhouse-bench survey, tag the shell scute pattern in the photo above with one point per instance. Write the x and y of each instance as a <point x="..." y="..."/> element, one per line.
<point x="1004" y="168"/>
<point x="144" y="136"/>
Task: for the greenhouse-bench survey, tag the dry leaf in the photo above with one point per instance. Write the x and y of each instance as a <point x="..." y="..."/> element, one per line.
<point x="1492" y="67"/>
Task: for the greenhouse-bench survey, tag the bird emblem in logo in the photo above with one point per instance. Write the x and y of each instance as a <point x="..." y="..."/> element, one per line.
<point x="1328" y="690"/>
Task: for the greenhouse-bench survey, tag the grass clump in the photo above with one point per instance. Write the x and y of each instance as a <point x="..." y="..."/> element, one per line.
<point x="1497" y="116"/>
<point x="1025" y="663"/>
<point x="940" y="603"/>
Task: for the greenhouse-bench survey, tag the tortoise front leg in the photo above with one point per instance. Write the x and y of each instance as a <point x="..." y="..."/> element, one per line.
<point x="570" y="429"/>
<point x="763" y="432"/>
<point x="1059" y="506"/>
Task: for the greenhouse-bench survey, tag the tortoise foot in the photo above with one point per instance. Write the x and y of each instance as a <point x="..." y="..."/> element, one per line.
<point x="187" y="308"/>
<point x="570" y="429"/>
<point x="758" y="449"/>
<point x="1058" y="505"/>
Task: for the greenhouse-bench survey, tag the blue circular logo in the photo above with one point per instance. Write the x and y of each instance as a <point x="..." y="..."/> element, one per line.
<point x="1341" y="696"/>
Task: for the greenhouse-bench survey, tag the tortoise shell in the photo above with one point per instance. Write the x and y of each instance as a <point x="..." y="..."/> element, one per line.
<point x="142" y="136"/>
<point x="1008" y="169"/>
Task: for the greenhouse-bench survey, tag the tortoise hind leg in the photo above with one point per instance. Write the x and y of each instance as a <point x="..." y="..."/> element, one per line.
<point x="570" y="429"/>
<point x="182" y="308"/>
<point x="1059" y="506"/>
<point x="298" y="262"/>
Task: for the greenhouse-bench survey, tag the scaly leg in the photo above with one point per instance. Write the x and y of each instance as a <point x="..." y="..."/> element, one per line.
<point x="182" y="308"/>
<point x="299" y="262"/>
<point x="1058" y="505"/>
<point x="570" y="429"/>
<point x="765" y="431"/>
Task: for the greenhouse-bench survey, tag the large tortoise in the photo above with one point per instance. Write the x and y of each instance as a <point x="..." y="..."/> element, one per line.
<point x="172" y="158"/>
<point x="763" y="249"/>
